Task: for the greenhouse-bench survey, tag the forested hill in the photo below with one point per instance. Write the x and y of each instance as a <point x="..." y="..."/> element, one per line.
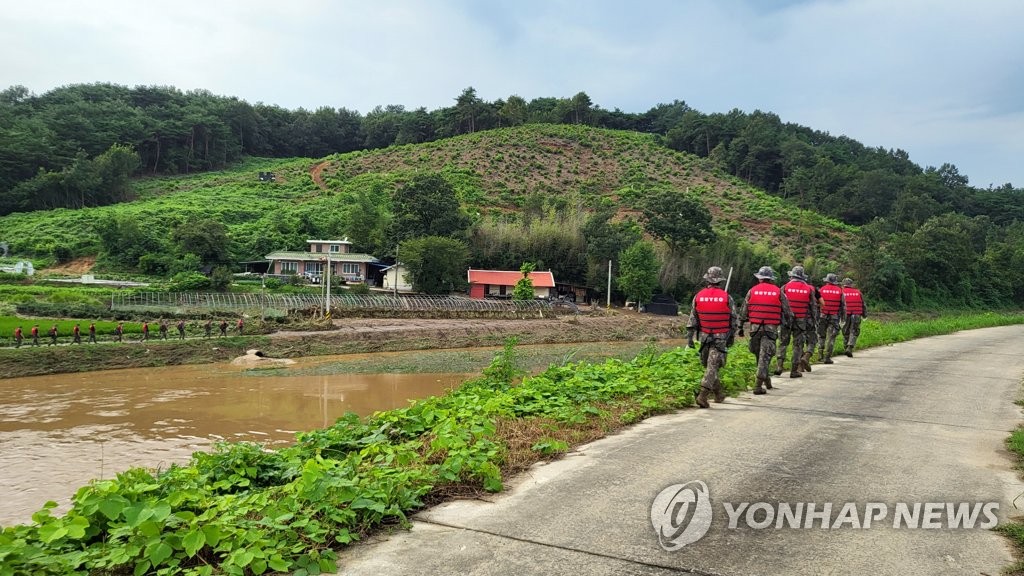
<point x="926" y="235"/>
<point x="544" y="193"/>
<point x="68" y="133"/>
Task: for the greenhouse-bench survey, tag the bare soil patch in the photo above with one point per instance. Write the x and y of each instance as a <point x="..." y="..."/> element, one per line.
<point x="81" y="265"/>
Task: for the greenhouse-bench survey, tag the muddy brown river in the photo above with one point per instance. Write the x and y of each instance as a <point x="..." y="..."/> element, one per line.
<point x="58" y="432"/>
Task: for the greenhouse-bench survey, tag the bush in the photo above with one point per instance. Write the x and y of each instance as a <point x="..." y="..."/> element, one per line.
<point x="188" y="282"/>
<point x="220" y="279"/>
<point x="359" y="289"/>
<point x="273" y="283"/>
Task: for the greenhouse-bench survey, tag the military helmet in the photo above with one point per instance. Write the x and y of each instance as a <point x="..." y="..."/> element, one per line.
<point x="798" y="273"/>
<point x="714" y="275"/>
<point x="831" y="278"/>
<point x="847" y="282"/>
<point x="765" y="273"/>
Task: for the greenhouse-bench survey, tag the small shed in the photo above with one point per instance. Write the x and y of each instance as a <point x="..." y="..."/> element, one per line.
<point x="663" y="304"/>
<point x="499" y="283"/>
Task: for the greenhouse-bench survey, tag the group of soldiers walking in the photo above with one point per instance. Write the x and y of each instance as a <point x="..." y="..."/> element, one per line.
<point x="796" y="311"/>
<point x="118" y="334"/>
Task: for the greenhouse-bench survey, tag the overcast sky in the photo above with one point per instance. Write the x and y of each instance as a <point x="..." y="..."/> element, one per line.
<point x="941" y="79"/>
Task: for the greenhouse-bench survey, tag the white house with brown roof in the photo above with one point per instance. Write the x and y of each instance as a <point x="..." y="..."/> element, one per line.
<point x="499" y="283"/>
<point x="350" y="266"/>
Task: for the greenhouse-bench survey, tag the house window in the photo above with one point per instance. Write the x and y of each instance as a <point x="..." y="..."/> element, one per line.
<point x="350" y="268"/>
<point x="335" y="248"/>
<point x="289" y="267"/>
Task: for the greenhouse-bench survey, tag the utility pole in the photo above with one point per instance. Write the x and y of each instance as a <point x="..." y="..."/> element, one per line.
<point x="328" y="314"/>
<point x="395" y="268"/>
<point x="609" y="304"/>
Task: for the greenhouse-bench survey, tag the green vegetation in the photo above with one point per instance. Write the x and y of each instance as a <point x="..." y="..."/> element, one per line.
<point x="879" y="333"/>
<point x="1014" y="530"/>
<point x="242" y="509"/>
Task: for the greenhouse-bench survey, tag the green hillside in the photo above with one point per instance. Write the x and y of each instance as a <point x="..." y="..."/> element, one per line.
<point x="495" y="173"/>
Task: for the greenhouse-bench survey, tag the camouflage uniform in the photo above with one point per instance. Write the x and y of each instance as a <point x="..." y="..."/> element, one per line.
<point x="802" y="332"/>
<point x="763" y="335"/>
<point x="851" y="328"/>
<point x="713" y="346"/>
<point x="828" y="324"/>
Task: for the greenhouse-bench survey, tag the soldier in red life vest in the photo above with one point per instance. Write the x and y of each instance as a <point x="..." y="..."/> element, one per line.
<point x="53" y="335"/>
<point x="76" y="334"/>
<point x="766" y="308"/>
<point x="833" y="310"/>
<point x="92" y="332"/>
<point x="855" y="311"/>
<point x="801" y="299"/>
<point x="145" y="330"/>
<point x="35" y="335"/>
<point x="18" y="337"/>
<point x="713" y="317"/>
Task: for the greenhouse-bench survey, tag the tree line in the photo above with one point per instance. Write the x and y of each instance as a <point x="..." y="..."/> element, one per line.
<point x="927" y="235"/>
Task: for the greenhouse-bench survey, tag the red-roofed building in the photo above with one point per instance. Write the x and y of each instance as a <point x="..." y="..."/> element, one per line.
<point x="499" y="283"/>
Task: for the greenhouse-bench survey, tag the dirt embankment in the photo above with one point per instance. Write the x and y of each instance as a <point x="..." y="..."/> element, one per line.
<point x="349" y="336"/>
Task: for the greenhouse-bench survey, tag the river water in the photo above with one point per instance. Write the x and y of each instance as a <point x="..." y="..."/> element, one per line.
<point x="58" y="432"/>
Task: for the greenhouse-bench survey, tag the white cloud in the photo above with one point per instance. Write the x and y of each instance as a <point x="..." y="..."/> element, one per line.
<point x="938" y="79"/>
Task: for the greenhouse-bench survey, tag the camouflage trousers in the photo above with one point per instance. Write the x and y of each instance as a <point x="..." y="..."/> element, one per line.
<point x="762" y="345"/>
<point x="828" y="329"/>
<point x="851" y="330"/>
<point x="802" y="333"/>
<point x="713" y="351"/>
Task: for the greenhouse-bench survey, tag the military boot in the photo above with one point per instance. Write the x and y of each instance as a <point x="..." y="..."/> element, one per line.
<point x="849" y="351"/>
<point x="719" y="393"/>
<point x="768" y="382"/>
<point x="805" y="362"/>
<point x="759" y="389"/>
<point x="778" y="366"/>
<point x="702" y="398"/>
<point x="794" y="373"/>
<point x="828" y="360"/>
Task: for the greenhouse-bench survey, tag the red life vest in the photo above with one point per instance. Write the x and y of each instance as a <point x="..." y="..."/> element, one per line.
<point x="832" y="297"/>
<point x="764" y="306"/>
<point x="17" y="332"/>
<point x="713" y="311"/>
<point x="799" y="294"/>
<point x="854" y="301"/>
<point x="77" y="329"/>
<point x="35" y="331"/>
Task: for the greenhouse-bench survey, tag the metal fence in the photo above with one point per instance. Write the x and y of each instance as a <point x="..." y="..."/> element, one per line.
<point x="203" y="303"/>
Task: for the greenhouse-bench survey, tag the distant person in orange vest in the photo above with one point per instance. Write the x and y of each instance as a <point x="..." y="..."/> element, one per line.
<point x="713" y="320"/>
<point x="800" y="295"/>
<point x="18" y="337"/>
<point x="92" y="332"/>
<point x="76" y="334"/>
<point x="833" y="311"/>
<point x="181" y="329"/>
<point x="856" y="310"/>
<point x="767" y="309"/>
<point x="239" y="326"/>
<point x="163" y="329"/>
<point x="119" y="332"/>
<point x="35" y="335"/>
<point x="145" y="330"/>
<point x="53" y="335"/>
<point x="223" y="328"/>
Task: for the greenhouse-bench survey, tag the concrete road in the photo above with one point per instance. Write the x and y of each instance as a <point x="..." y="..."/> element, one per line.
<point x="916" y="423"/>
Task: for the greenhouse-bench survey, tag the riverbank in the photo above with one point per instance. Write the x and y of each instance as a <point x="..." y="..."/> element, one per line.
<point x="349" y="336"/>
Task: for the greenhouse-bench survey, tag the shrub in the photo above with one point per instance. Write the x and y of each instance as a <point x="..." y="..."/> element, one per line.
<point x="189" y="281"/>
